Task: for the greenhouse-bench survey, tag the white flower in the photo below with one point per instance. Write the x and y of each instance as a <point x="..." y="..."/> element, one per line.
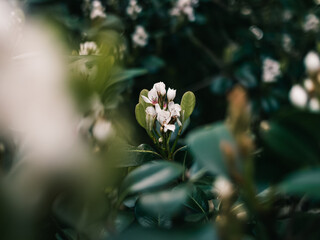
<point x="171" y="94"/>
<point x="184" y="7"/>
<point x="271" y="70"/>
<point x="133" y="9"/>
<point x="140" y="36"/>
<point x="312" y="62"/>
<point x="97" y="10"/>
<point x="224" y="187"/>
<point x="314" y="105"/>
<point x="257" y="32"/>
<point x="311" y="23"/>
<point x="152" y="97"/>
<point x="308" y="84"/>
<point x="164" y="118"/>
<point x="160" y="87"/>
<point x="298" y="96"/>
<point x="174" y="109"/>
<point x="102" y="130"/>
<point x="151" y="111"/>
<point x="88" y="48"/>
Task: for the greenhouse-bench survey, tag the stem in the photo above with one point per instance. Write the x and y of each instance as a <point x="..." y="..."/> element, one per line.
<point x="175" y="141"/>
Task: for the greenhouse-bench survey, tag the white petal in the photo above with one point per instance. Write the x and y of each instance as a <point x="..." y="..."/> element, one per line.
<point x="147" y="100"/>
<point x="152" y="95"/>
<point x="151" y="111"/>
<point x="170" y="127"/>
<point x="312" y="61"/>
<point x="160" y="87"/>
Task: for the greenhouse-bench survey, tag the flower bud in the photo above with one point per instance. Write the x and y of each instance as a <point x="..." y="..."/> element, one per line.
<point x="308" y="84"/>
<point x="224" y="187"/>
<point x="150" y="117"/>
<point x="314" y="104"/>
<point x="160" y="87"/>
<point x="171" y="94"/>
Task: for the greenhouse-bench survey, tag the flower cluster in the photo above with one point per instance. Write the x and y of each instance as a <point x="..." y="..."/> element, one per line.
<point x="97" y="10"/>
<point x="307" y="95"/>
<point x="140" y="36"/>
<point x="163" y="108"/>
<point x="184" y="7"/>
<point x="311" y="23"/>
<point x="133" y="9"/>
<point x="88" y="48"/>
<point x="271" y="70"/>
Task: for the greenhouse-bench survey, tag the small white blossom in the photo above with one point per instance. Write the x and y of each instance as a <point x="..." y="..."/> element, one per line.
<point x="160" y="87"/>
<point x="312" y="62"/>
<point x="97" y="10"/>
<point x="224" y="187"/>
<point x="174" y="109"/>
<point x="314" y="104"/>
<point x="133" y="9"/>
<point x="171" y="94"/>
<point x="151" y="111"/>
<point x="164" y="118"/>
<point x="152" y="97"/>
<point x="88" y="48"/>
<point x="257" y="32"/>
<point x="311" y="23"/>
<point x="271" y="70"/>
<point x="102" y="130"/>
<point x="184" y="7"/>
<point x="298" y="96"/>
<point x="140" y="36"/>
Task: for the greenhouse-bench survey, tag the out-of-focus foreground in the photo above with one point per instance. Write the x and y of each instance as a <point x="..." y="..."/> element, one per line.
<point x="159" y="119"/>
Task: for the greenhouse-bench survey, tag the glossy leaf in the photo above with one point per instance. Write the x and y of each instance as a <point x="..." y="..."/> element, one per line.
<point x="301" y="183"/>
<point x="141" y="115"/>
<point x="204" y="144"/>
<point x="151" y="175"/>
<point x="188" y="103"/>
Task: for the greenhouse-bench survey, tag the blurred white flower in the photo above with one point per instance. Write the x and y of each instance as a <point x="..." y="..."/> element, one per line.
<point x="184" y="7"/>
<point x="311" y="23"/>
<point x="97" y="10"/>
<point x="133" y="9"/>
<point x="271" y="70"/>
<point x="88" y="48"/>
<point x="102" y="130"/>
<point x="308" y="84"/>
<point x="140" y="36"/>
<point x="287" y="42"/>
<point x="314" y="104"/>
<point x="298" y="96"/>
<point x="224" y="187"/>
<point x="97" y="108"/>
<point x="160" y="87"/>
<point x="312" y="62"/>
<point x="257" y="32"/>
<point x="171" y="94"/>
<point x="152" y="97"/>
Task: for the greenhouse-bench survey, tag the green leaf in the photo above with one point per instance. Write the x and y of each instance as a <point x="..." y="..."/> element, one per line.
<point x="141" y="115"/>
<point x="188" y="102"/>
<point x="289" y="143"/>
<point x="149" y="176"/>
<point x="204" y="144"/>
<point x="167" y="202"/>
<point x="306" y="182"/>
<point x="194" y="232"/>
<point x="198" y="204"/>
<point x="123" y="220"/>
